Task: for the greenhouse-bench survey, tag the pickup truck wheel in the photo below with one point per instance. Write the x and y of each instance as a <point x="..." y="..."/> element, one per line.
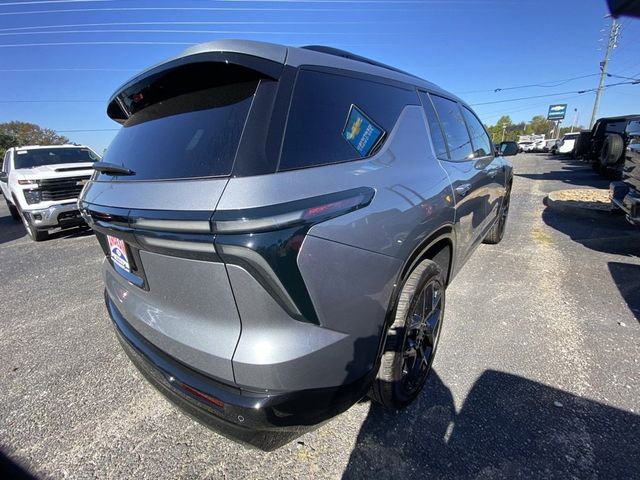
<point x="35" y="234"/>
<point x="12" y="210"/>
<point x="497" y="231"/>
<point x="412" y="338"/>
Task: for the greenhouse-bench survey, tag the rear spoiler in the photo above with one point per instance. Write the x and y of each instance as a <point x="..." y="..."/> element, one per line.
<point x="196" y="69"/>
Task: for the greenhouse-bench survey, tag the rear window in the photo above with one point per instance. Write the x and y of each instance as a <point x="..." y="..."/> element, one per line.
<point x="616" y="127"/>
<point x="52" y="156"/>
<point x="184" y="126"/>
<point x="323" y="104"/>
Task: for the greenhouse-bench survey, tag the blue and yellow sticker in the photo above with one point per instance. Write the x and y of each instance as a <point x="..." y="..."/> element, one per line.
<point x="361" y="132"/>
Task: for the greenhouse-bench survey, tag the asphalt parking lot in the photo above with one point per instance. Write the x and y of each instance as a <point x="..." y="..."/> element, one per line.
<point x="537" y="373"/>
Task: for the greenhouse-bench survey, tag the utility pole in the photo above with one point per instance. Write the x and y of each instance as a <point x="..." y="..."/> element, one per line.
<point x="575" y="120"/>
<point x="611" y="44"/>
<point x="504" y="127"/>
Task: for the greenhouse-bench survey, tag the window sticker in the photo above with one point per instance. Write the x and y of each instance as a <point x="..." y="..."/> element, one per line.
<point x="361" y="132"/>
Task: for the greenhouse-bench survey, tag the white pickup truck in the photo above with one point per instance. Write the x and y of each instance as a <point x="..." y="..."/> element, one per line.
<point x="41" y="185"/>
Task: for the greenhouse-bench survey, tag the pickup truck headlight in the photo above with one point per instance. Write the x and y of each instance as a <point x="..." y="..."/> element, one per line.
<point x="32" y="196"/>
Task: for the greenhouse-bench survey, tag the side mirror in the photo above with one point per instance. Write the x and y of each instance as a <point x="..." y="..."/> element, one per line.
<point x="507" y="149"/>
<point x="3" y="177"/>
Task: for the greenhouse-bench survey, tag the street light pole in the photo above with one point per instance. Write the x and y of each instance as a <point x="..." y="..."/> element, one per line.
<point x="611" y="44"/>
<point x="575" y="120"/>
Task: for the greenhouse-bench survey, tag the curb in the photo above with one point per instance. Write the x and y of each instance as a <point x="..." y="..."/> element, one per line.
<point x="554" y="202"/>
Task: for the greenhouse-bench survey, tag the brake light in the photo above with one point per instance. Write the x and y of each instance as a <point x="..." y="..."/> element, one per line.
<point x="300" y="212"/>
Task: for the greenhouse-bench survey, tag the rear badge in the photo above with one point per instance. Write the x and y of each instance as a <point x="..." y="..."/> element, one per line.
<point x="361" y="132"/>
<point x="118" y="252"/>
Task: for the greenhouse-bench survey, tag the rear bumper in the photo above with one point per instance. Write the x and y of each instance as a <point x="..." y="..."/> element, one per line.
<point x="63" y="215"/>
<point x="257" y="419"/>
<point x="627" y="200"/>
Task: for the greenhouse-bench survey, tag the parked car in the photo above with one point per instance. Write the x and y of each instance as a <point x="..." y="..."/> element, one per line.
<point x="565" y="146"/>
<point x="549" y="145"/>
<point x="280" y="225"/>
<point x="625" y="194"/>
<point x="539" y="146"/>
<point x="607" y="144"/>
<point x="526" y="146"/>
<point x="41" y="185"/>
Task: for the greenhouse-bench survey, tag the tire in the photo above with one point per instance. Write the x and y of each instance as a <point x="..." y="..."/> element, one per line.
<point x="12" y="210"/>
<point x="412" y="339"/>
<point x="612" y="149"/>
<point x="35" y="234"/>
<point x="497" y="230"/>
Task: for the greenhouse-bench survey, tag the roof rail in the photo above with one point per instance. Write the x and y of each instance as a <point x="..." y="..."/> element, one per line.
<point x="352" y="56"/>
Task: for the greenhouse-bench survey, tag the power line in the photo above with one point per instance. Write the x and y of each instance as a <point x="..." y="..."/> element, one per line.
<point x="549" y="84"/>
<point x="51" y="101"/>
<point x="217" y="32"/>
<point x="70" y="69"/>
<point x="12" y="4"/>
<point x="122" y="24"/>
<point x="206" y="9"/>
<point x="554" y="94"/>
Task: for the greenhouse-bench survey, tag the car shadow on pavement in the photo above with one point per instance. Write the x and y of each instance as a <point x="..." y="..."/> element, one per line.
<point x="10" y="229"/>
<point x="608" y="233"/>
<point x="507" y="427"/>
<point x="573" y="172"/>
<point x="627" y="279"/>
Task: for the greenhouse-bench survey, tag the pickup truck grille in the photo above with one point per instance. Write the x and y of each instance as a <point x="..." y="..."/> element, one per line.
<point x="62" y="188"/>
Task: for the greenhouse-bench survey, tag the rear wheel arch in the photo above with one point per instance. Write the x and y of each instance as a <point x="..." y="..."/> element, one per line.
<point x="442" y="240"/>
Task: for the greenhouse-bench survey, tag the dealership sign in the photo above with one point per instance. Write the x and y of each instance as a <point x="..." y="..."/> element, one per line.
<point x="557" y="112"/>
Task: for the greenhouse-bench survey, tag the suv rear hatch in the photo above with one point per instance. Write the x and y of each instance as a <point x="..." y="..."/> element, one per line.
<point x="182" y="127"/>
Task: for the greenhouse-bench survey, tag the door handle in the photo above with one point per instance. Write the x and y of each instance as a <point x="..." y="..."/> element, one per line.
<point x="463" y="189"/>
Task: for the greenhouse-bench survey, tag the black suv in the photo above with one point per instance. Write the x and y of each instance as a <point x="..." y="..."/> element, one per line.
<point x="626" y="194"/>
<point x="607" y="144"/>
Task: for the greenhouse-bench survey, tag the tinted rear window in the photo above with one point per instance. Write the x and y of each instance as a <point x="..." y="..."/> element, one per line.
<point x="319" y="112"/>
<point x="52" y="156"/>
<point x="181" y="133"/>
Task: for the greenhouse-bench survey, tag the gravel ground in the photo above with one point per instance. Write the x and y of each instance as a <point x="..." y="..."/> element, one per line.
<point x="536" y="376"/>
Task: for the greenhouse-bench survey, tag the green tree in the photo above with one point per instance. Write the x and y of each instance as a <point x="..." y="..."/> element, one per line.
<point x="540" y="125"/>
<point x="15" y="134"/>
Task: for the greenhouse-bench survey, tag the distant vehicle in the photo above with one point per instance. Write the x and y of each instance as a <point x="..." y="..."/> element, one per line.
<point x="626" y="193"/>
<point x="525" y="146"/>
<point x="549" y="144"/>
<point x="565" y="147"/>
<point x="581" y="148"/>
<point x="607" y="144"/>
<point x="539" y="146"/>
<point x="41" y="185"/>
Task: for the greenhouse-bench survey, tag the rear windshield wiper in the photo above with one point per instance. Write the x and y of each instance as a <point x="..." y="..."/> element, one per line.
<point x="112" y="169"/>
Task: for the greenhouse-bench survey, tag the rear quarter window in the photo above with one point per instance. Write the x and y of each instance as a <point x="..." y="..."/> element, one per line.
<point x="454" y="128"/>
<point x="319" y="110"/>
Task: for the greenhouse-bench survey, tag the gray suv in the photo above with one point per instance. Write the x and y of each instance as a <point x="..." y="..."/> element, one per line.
<point x="279" y="227"/>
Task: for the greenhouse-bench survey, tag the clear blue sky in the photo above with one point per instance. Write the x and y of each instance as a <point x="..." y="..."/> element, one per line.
<point x="50" y="76"/>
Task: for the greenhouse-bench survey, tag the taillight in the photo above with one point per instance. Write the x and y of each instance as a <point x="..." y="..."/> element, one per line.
<point x="285" y="215"/>
<point x="266" y="241"/>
